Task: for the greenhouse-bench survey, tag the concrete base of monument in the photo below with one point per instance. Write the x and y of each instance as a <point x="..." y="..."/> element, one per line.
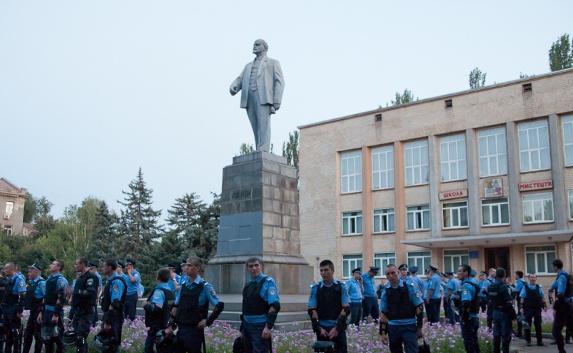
<point x="229" y="274"/>
<point x="292" y="317"/>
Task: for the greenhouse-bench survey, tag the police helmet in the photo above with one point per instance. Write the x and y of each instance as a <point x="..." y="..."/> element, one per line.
<point x="69" y="338"/>
<point x="162" y="339"/>
<point x="323" y="346"/>
<point x="103" y="343"/>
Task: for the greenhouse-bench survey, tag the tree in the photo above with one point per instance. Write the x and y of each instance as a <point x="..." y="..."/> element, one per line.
<point x="104" y="238"/>
<point x="246" y="148"/>
<point x="477" y="78"/>
<point x="561" y="54"/>
<point x="29" y="209"/>
<point x="402" y="98"/>
<point x="290" y="149"/>
<point x="42" y="220"/>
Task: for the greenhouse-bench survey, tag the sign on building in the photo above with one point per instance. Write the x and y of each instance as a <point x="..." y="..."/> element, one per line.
<point x="536" y="185"/>
<point x="454" y="194"/>
<point x="493" y="187"/>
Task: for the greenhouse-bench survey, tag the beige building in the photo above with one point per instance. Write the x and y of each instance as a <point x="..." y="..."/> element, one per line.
<point x="12" y="199"/>
<point x="483" y="176"/>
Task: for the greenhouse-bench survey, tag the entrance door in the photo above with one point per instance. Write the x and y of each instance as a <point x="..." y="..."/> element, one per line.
<point x="497" y="257"/>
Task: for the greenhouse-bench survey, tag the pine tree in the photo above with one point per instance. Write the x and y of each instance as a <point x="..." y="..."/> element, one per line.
<point x="477" y="78"/>
<point x="104" y="237"/>
<point x="43" y="221"/>
<point x="185" y="220"/>
<point x="402" y="98"/>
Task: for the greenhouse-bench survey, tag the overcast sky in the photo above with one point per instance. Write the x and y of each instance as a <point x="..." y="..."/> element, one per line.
<point x="92" y="90"/>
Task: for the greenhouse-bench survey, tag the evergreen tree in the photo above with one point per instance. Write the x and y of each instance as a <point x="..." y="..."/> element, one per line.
<point x="246" y="148"/>
<point x="561" y="54"/>
<point x="477" y="78"/>
<point x="210" y="225"/>
<point x="171" y="249"/>
<point x="105" y="236"/>
<point x="29" y="209"/>
<point x="290" y="149"/>
<point x="402" y="98"/>
<point x="42" y="220"/>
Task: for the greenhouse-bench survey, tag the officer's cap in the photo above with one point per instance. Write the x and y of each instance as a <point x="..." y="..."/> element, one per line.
<point x="172" y="265"/>
<point x="357" y="269"/>
<point x="374" y="269"/>
<point x="473" y="273"/>
<point x="403" y="267"/>
<point x="92" y="264"/>
<point x="483" y="273"/>
<point x="414" y="269"/>
<point x="130" y="262"/>
<point x="449" y="273"/>
<point x="431" y="268"/>
<point x="120" y="264"/>
<point x="35" y="266"/>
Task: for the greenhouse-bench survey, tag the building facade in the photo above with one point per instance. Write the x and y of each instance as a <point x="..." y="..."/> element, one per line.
<point x="12" y="200"/>
<point x="481" y="176"/>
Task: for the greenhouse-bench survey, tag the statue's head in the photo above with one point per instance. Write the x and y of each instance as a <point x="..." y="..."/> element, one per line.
<point x="260" y="46"/>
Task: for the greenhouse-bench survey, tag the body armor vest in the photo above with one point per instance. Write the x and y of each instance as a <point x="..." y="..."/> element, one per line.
<point x="31" y="302"/>
<point x="106" y="299"/>
<point x="84" y="304"/>
<point x="329" y="303"/>
<point x="253" y="304"/>
<point x="160" y="319"/>
<point x="51" y="297"/>
<point x="189" y="312"/>
<point x="399" y="304"/>
<point x="532" y="298"/>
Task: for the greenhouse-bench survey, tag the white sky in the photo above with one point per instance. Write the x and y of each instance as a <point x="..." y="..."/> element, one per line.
<point x="92" y="90"/>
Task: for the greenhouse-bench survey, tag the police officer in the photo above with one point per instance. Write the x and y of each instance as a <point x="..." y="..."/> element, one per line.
<point x="355" y="289"/>
<point x="261" y="305"/>
<point x="174" y="278"/>
<point x="191" y="309"/>
<point x="488" y="281"/>
<point x="503" y="313"/>
<point x="328" y="308"/>
<point x="468" y="307"/>
<point x="532" y="302"/>
<point x="562" y="305"/>
<point x="400" y="303"/>
<point x="370" y="301"/>
<point x="433" y="295"/>
<point x="404" y="274"/>
<point x="83" y="301"/>
<point x="93" y="269"/>
<point x="12" y="306"/>
<point x="516" y="291"/>
<point x="453" y="286"/>
<point x="133" y="280"/>
<point x="4" y="283"/>
<point x="53" y="313"/>
<point x="112" y="304"/>
<point x="35" y="292"/>
<point x="158" y="309"/>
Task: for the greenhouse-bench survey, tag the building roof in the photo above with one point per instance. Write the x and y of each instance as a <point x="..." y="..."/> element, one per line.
<point x="6" y="187"/>
<point x="441" y="97"/>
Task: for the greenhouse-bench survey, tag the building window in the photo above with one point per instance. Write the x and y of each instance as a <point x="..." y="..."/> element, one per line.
<point x="351" y="172"/>
<point x="416" y="162"/>
<point x="382" y="260"/>
<point x="453" y="157"/>
<point x="384" y="220"/>
<point x="534" y="146"/>
<point x="418" y="217"/>
<point x="538" y="208"/>
<point x="349" y="263"/>
<point x="351" y="223"/>
<point x="421" y="259"/>
<point x="454" y="258"/>
<point x="455" y="214"/>
<point x="570" y="204"/>
<point x="492" y="152"/>
<point x="383" y="167"/>
<point x="8" y="230"/>
<point x="9" y="210"/>
<point x="538" y="259"/>
<point x="495" y="212"/>
<point x="567" y="124"/>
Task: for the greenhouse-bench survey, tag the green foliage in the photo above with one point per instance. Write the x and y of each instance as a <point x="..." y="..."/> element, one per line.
<point x="105" y="236"/>
<point x="402" y="98"/>
<point x="561" y="54"/>
<point x="42" y="220"/>
<point x="246" y="148"/>
<point x="477" y="78"/>
<point x="290" y="149"/>
<point x="29" y="209"/>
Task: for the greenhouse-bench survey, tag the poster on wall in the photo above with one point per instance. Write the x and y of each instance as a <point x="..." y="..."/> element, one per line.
<point x="493" y="187"/>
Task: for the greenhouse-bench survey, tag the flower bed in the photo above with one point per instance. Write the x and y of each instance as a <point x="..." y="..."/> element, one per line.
<point x="442" y="339"/>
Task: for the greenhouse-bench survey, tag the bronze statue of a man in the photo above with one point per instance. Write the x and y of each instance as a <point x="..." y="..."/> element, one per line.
<point x="262" y="86"/>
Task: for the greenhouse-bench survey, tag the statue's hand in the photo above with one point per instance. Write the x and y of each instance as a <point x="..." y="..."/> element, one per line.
<point x="277" y="106"/>
<point x="273" y="110"/>
<point x="233" y="90"/>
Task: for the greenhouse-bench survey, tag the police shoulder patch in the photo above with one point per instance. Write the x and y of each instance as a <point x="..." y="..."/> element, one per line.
<point x="115" y="287"/>
<point x="90" y="282"/>
<point x="272" y="291"/>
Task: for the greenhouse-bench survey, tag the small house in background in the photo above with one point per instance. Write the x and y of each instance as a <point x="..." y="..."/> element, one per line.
<point x="12" y="200"/>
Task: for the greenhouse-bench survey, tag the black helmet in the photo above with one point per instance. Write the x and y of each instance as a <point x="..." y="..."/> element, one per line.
<point x="162" y="339"/>
<point x="323" y="346"/>
<point x="103" y="343"/>
<point x="69" y="337"/>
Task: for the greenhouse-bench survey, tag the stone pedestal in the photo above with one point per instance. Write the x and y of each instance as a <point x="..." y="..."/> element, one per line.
<point x="259" y="217"/>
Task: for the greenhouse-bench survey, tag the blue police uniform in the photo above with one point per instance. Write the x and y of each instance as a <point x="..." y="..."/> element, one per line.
<point x="399" y="306"/>
<point x="469" y="322"/>
<point x="255" y="304"/>
<point x="515" y="290"/>
<point x="370" y="301"/>
<point x="563" y="308"/>
<point x="54" y="299"/>
<point x="132" y="294"/>
<point x="158" y="299"/>
<point x="452" y="287"/>
<point x="174" y="283"/>
<point x="113" y="300"/>
<point x="100" y="287"/>
<point x="34" y="297"/>
<point x="433" y="302"/>
<point x="531" y="296"/>
<point x="328" y="314"/>
<point x="355" y="295"/>
<point x="12" y="306"/>
<point x="489" y="308"/>
<point x="501" y="302"/>
<point x="189" y="337"/>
